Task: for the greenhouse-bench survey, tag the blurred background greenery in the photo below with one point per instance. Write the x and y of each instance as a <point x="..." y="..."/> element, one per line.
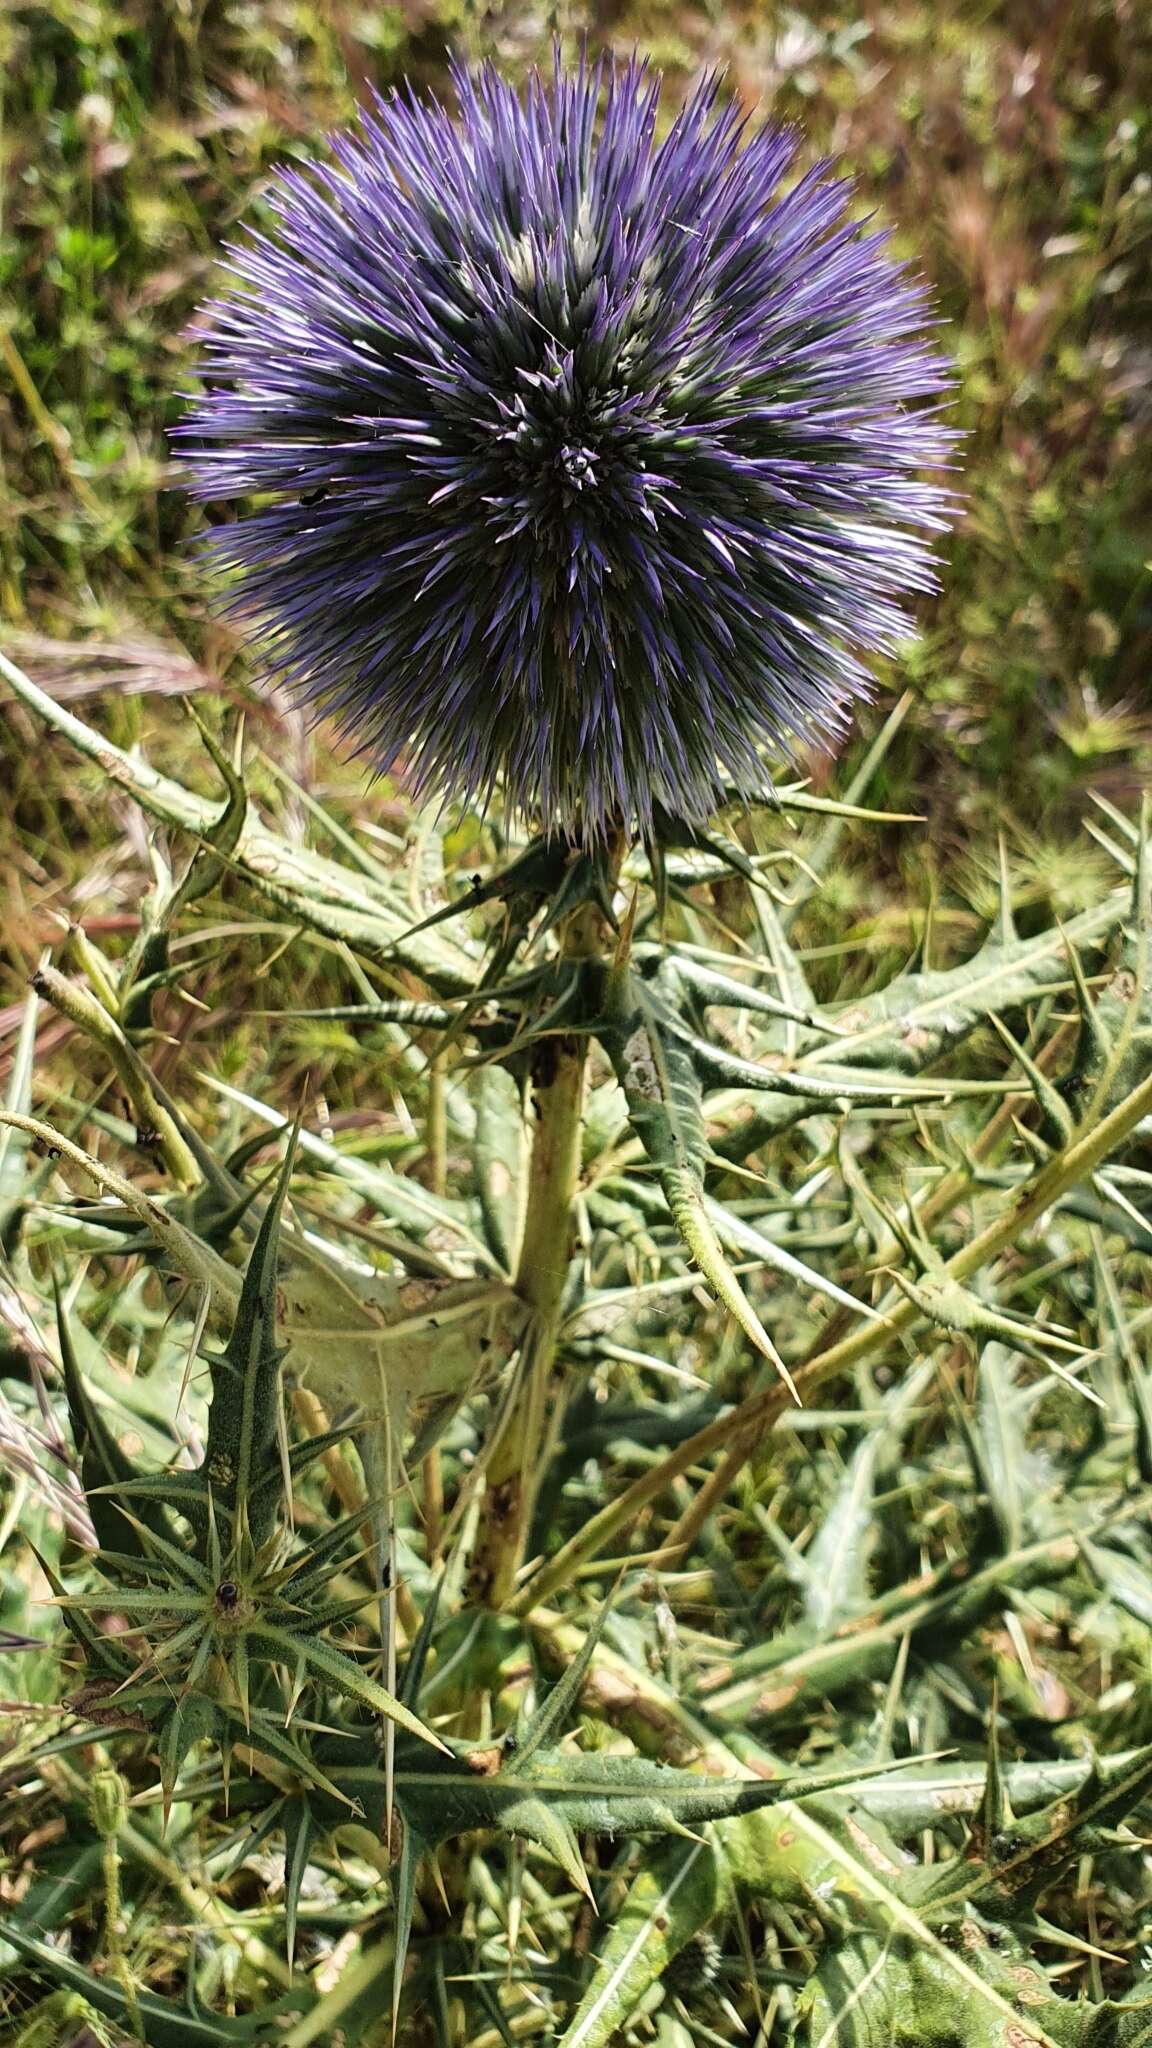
<point x="1010" y="142"/>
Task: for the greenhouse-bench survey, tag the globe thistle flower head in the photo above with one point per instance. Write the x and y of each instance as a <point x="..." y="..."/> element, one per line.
<point x="584" y="463"/>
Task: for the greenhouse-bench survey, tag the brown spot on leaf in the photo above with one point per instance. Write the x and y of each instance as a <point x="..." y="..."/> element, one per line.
<point x="775" y="1702"/>
<point x="1031" y="1989"/>
<point x="914" y="1036"/>
<point x="417" y="1294"/>
<point x="485" y="1762"/>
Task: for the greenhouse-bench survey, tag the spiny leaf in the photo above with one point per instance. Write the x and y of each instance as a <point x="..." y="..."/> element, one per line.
<point x="102" y="1462"/>
<point x="741" y="1237"/>
<point x="189" y="1493"/>
<point x="677" y="1892"/>
<point x="244" y="1424"/>
<point x="392" y="1195"/>
<point x="995" y="1807"/>
<point x="193" y="1719"/>
<point x="167" y="2024"/>
<point x="910" y="1024"/>
<point x="556" y="1706"/>
<point x="706" y="985"/>
<point x="669" y="833"/>
<point x="177" y="1247"/>
<point x="265" y="1733"/>
<point x="794" y="797"/>
<point x="343" y="1674"/>
<point x="310" y="1569"/>
<point x="413" y="1849"/>
<point x="721" y="1068"/>
<point x="178" y="1566"/>
<point x="148" y="967"/>
<point x="445" y="1795"/>
<point x="1036" y="1849"/>
<point x="545" y="1823"/>
<point x="923" y="1795"/>
<point x="836" y="1574"/>
<point x="665" y="1107"/>
<point x="299" y="1835"/>
<point x="319" y="894"/>
<point x="418" y="1655"/>
<point x="536" y="873"/>
<point x="103" y="1655"/>
<point x="1114" y="1052"/>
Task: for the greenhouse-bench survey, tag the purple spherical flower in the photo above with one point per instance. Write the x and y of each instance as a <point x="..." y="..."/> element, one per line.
<point x="582" y="463"/>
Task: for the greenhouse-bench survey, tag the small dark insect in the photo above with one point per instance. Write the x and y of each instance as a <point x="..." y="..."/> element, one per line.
<point x="227" y="1594"/>
<point x="316" y="497"/>
<point x="476" y="884"/>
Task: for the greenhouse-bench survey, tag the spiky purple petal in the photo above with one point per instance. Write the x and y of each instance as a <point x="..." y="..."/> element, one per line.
<point x="585" y="464"/>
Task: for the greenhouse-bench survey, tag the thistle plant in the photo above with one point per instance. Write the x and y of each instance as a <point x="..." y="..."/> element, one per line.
<point x="594" y="463"/>
<point x="579" y="465"/>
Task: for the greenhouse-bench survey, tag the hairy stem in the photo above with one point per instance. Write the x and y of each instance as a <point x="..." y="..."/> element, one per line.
<point x="518" y="1451"/>
<point x="542" y="1268"/>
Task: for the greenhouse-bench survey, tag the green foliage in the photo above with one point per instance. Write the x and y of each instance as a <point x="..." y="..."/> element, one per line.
<point x="960" y="1175"/>
<point x="820" y="1725"/>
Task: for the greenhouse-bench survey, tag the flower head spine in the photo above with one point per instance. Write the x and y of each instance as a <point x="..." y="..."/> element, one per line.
<point x="587" y="463"/>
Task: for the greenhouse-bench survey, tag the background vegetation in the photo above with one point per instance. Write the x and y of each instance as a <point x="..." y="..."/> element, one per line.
<point x="1012" y="146"/>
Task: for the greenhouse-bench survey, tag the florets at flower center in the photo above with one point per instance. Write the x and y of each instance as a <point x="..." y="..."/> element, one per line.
<point x="556" y="477"/>
<point x="577" y="466"/>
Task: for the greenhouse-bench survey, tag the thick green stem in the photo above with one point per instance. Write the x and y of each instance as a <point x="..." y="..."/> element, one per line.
<point x="542" y="1268"/>
<point x="519" y="1449"/>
